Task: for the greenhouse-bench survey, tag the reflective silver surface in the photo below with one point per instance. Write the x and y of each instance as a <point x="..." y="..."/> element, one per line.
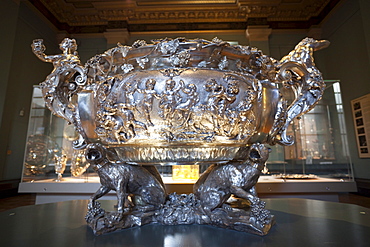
<point x="174" y="102"/>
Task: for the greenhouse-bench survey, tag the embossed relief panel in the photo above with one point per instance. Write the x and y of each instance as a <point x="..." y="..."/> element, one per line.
<point x="186" y="108"/>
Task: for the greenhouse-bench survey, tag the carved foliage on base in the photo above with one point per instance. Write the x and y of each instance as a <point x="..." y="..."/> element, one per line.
<point x="185" y="209"/>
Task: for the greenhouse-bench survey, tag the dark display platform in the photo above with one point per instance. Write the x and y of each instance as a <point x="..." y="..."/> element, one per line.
<point x="300" y="222"/>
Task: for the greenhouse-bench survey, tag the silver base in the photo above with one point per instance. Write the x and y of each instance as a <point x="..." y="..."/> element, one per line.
<point x="185" y="209"/>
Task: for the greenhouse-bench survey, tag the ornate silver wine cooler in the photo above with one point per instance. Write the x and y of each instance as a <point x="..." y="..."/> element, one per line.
<point x="181" y="102"/>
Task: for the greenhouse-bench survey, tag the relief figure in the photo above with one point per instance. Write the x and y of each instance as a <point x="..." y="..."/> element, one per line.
<point x="216" y="104"/>
<point x="149" y="93"/>
<point x="185" y="108"/>
<point x="118" y="124"/>
<point x="108" y="125"/>
<point x="169" y="98"/>
<point x="129" y="125"/>
<point x="129" y="88"/>
<point x="246" y="117"/>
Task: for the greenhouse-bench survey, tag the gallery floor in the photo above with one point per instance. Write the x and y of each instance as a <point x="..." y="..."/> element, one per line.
<point x="299" y="222"/>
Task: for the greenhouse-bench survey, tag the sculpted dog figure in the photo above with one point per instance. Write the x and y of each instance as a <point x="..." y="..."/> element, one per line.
<point x="238" y="178"/>
<point x="144" y="185"/>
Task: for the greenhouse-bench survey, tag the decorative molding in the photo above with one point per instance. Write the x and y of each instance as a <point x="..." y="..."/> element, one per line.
<point x="142" y="15"/>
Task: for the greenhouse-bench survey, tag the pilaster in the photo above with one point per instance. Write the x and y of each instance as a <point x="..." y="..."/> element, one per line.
<point x="258" y="36"/>
<point x="114" y="36"/>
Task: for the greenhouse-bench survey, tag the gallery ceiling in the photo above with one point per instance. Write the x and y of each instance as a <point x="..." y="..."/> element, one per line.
<point x="94" y="16"/>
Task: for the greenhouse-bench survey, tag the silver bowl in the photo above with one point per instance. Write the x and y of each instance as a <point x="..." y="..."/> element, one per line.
<point x="174" y="102"/>
<point x="179" y="101"/>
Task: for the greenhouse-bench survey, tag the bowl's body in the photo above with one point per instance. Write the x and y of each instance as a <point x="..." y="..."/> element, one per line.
<point x="199" y="115"/>
<point x="180" y="101"/>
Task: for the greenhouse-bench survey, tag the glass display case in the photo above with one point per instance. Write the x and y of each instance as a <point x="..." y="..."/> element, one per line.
<point x="49" y="155"/>
<point x="321" y="146"/>
<point x="320" y="155"/>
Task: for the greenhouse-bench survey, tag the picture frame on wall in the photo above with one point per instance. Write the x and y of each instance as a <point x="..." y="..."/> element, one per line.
<point x="361" y="119"/>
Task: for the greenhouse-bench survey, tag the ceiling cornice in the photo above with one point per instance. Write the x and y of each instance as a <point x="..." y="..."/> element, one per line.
<point x="91" y="16"/>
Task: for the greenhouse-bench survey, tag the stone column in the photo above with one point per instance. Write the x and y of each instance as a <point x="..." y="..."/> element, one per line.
<point x="258" y="36"/>
<point x="114" y="36"/>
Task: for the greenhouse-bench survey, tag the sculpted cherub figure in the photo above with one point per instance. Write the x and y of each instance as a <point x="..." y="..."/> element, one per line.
<point x="192" y="98"/>
<point x="66" y="77"/>
<point x="69" y="55"/>
<point x="169" y="98"/>
<point x="129" y="89"/>
<point x="62" y="62"/>
<point x="147" y="102"/>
